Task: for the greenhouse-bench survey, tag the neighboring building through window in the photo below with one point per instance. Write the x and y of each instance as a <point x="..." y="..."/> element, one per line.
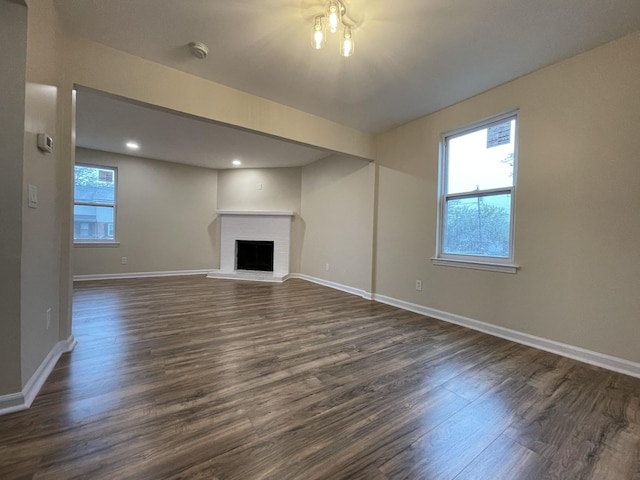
<point x="94" y="210"/>
<point x="477" y="195"/>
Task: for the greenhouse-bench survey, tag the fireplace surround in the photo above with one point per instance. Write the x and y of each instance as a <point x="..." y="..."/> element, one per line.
<point x="257" y="226"/>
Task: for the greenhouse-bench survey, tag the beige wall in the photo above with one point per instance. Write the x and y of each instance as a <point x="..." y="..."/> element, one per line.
<point x="42" y="235"/>
<point x="165" y="218"/>
<point x="13" y="38"/>
<point x="31" y="99"/>
<point x="337" y="210"/>
<point x="265" y="189"/>
<point x="259" y="189"/>
<point x="577" y="221"/>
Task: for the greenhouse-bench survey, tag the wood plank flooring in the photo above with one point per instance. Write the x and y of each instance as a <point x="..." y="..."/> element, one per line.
<point x="194" y="378"/>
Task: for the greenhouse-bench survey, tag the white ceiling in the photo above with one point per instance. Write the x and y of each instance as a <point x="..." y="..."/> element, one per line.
<point x="412" y="57"/>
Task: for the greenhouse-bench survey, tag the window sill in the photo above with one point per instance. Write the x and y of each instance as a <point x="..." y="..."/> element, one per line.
<point x="492" y="267"/>
<point x="82" y="244"/>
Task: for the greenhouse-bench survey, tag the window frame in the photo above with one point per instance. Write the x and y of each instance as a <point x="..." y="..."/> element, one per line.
<point x="100" y="242"/>
<point x="478" y="262"/>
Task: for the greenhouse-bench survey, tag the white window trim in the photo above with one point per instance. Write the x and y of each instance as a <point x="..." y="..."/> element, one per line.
<point x="99" y="242"/>
<point x="474" y="265"/>
<point x="494" y="264"/>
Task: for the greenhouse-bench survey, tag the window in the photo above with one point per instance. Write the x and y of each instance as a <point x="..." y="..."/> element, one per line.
<point x="477" y="195"/>
<point x="94" y="209"/>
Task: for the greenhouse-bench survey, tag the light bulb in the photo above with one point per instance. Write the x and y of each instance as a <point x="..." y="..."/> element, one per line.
<point x="318" y="36"/>
<point x="346" y="47"/>
<point x="334" y="16"/>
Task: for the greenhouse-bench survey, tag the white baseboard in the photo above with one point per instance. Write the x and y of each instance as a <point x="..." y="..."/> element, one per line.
<point x="337" y="286"/>
<point x="581" y="354"/>
<point x="118" y="276"/>
<point x="15" y="402"/>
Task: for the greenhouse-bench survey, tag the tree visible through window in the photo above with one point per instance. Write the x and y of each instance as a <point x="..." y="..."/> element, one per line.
<point x="477" y="178"/>
<point x="94" y="203"/>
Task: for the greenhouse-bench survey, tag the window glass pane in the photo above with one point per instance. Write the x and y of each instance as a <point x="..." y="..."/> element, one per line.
<point x="93" y="223"/>
<point x="481" y="160"/>
<point x="478" y="226"/>
<point x="94" y="185"/>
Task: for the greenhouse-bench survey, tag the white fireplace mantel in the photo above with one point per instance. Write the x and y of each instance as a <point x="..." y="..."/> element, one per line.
<point x="283" y="213"/>
<point x="259" y="225"/>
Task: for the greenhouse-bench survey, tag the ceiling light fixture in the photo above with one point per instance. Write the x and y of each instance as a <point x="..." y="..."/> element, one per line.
<point x="334" y="16"/>
<point x="237" y="163"/>
<point x="132" y="145"/>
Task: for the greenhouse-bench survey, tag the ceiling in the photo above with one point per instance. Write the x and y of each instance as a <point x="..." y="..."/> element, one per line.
<point x="107" y="123"/>
<point x="412" y="57"/>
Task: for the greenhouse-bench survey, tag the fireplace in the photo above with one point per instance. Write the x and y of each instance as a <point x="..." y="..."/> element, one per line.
<point x="254" y="255"/>
<point x="257" y="228"/>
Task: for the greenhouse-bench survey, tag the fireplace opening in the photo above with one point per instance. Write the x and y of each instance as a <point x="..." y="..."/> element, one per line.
<point x="254" y="255"/>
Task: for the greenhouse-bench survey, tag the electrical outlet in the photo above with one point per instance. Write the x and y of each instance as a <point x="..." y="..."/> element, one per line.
<point x="326" y="267"/>
<point x="419" y="285"/>
<point x="259" y="186"/>
<point x="48" y="318"/>
<point x="123" y="260"/>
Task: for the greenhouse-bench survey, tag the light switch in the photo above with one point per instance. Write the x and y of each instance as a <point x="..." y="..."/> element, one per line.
<point x="33" y="196"/>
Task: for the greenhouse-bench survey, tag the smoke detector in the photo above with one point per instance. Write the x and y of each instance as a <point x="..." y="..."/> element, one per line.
<point x="199" y="50"/>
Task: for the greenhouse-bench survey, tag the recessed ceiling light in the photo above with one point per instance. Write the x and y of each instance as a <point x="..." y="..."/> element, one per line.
<point x="133" y="145"/>
<point x="237" y="163"/>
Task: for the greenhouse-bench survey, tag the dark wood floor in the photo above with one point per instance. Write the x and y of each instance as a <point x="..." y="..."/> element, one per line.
<point x="181" y="378"/>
